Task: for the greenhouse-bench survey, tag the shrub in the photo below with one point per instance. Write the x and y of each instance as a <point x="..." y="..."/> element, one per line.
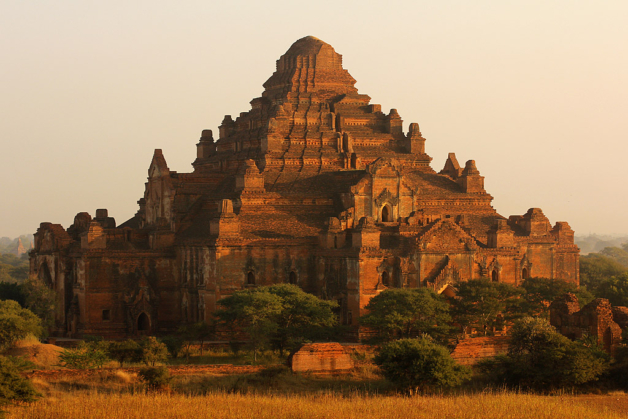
<point x="13" y="387"/>
<point x="540" y="358"/>
<point x="16" y="323"/>
<point x="88" y="355"/>
<point x="408" y="313"/>
<point x="420" y="364"/>
<point x="174" y="344"/>
<point x="155" y="377"/>
<point x="153" y="351"/>
<point x="125" y="351"/>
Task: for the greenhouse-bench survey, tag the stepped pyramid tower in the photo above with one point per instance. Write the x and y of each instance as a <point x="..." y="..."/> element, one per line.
<point x="313" y="186"/>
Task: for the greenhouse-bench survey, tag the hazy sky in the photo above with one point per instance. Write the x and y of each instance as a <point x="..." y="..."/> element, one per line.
<point x="536" y="92"/>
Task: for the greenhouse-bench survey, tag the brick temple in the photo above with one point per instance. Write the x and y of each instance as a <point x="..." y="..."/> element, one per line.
<point x="313" y="186"/>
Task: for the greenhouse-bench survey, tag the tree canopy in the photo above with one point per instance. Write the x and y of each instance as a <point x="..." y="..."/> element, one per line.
<point x="485" y="305"/>
<point x="282" y="315"/>
<point x="539" y="357"/>
<point x="540" y="292"/>
<point x="16" y="323"/>
<point x="419" y="364"/>
<point x="408" y="313"/>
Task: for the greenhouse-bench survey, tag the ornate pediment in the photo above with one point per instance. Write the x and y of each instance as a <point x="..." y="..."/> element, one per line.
<point x="386" y="197"/>
<point x="446" y="237"/>
<point x="385" y="167"/>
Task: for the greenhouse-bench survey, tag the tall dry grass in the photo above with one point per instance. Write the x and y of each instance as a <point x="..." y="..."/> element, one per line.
<point x="221" y="405"/>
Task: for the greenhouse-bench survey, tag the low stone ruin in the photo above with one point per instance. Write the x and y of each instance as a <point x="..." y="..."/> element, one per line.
<point x="598" y="318"/>
<point x="321" y="357"/>
<point x="471" y="350"/>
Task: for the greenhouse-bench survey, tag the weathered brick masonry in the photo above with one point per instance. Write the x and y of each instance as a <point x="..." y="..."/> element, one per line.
<point x="315" y="186"/>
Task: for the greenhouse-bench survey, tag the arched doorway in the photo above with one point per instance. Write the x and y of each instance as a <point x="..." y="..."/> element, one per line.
<point x="385" y="214"/>
<point x="524" y="273"/>
<point x="292" y="278"/>
<point x="385" y="279"/>
<point x="143" y="323"/>
<point x="250" y="278"/>
<point x="495" y="275"/>
<point x="44" y="274"/>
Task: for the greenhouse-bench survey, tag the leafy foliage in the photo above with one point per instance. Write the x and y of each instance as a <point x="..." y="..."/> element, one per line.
<point x="485" y="305"/>
<point x="541" y="358"/>
<point x="540" y="292"/>
<point x="195" y="332"/>
<point x="420" y="364"/>
<point x="41" y="300"/>
<point x="153" y="351"/>
<point x="16" y="323"/>
<point x="281" y="315"/>
<point x="155" y="377"/>
<point x="12" y="291"/>
<point x="87" y="355"/>
<point x="13" y="387"/>
<point x="174" y="344"/>
<point x="408" y="313"/>
<point x="303" y="317"/>
<point x="125" y="351"/>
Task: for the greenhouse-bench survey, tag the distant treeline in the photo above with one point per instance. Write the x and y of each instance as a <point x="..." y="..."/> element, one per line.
<point x="595" y="243"/>
<point x="605" y="274"/>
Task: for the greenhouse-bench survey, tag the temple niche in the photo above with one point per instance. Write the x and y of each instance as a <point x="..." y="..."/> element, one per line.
<point x="315" y="186"/>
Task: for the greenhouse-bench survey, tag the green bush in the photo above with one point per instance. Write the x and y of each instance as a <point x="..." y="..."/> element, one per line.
<point x="88" y="355"/>
<point x="408" y="313"/>
<point x="13" y="387"/>
<point x="174" y="344"/>
<point x="125" y="351"/>
<point x="155" y="377"/>
<point x="16" y="323"/>
<point x="420" y="364"/>
<point x="540" y="358"/>
<point x="153" y="351"/>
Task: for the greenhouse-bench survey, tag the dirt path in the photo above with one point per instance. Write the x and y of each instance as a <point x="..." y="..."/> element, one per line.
<point x="174" y="370"/>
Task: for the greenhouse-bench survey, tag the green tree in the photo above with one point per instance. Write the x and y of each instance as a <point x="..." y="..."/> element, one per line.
<point x="154" y="351"/>
<point x="408" y="313"/>
<point x="125" y="351"/>
<point x="540" y="292"/>
<point x="618" y="254"/>
<point x="87" y="355"/>
<point x="485" y="305"/>
<point x="615" y="289"/>
<point x="595" y="269"/>
<point x="254" y="312"/>
<point x="16" y="323"/>
<point x="195" y="332"/>
<point x="541" y="358"/>
<point x="419" y="364"/>
<point x="12" y="291"/>
<point x="156" y="377"/>
<point x="41" y="300"/>
<point x="279" y="315"/>
<point x="13" y="387"/>
<point x="303" y="317"/>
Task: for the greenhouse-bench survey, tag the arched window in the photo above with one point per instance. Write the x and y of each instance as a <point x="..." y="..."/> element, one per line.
<point x="143" y="323"/>
<point x="250" y="278"/>
<point x="292" y="278"/>
<point x="44" y="275"/>
<point x="495" y="275"/>
<point x="335" y="242"/>
<point x="524" y="273"/>
<point x="385" y="279"/>
<point x="385" y="214"/>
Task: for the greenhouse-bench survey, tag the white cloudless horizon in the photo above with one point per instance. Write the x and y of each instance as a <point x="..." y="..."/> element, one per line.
<point x="536" y="92"/>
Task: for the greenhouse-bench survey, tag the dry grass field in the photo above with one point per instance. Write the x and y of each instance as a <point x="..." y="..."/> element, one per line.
<point x="227" y="391"/>
<point x="257" y="406"/>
